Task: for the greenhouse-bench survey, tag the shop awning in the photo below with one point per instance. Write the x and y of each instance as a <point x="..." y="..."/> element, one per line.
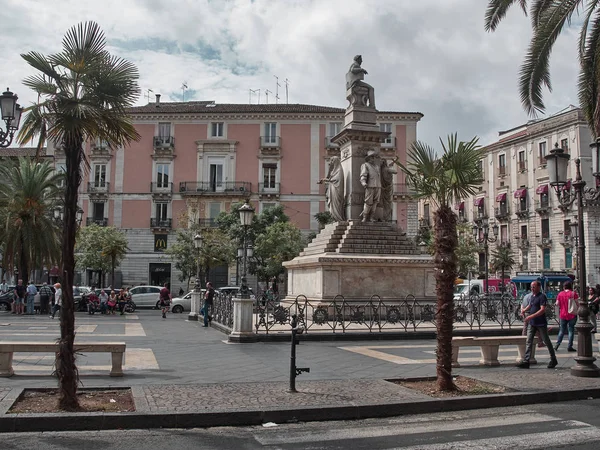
<point x="478" y="201"/>
<point x="459" y="206"/>
<point x="501" y="197"/>
<point x="543" y="189"/>
<point x="520" y="193"/>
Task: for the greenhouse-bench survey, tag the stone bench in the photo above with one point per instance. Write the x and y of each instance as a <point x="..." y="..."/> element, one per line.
<point x="490" y="346"/>
<point x="117" y="350"/>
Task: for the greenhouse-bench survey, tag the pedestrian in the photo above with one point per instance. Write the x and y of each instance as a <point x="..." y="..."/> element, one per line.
<point x="594" y="306"/>
<point x="165" y="300"/>
<point x="122" y="299"/>
<point x="181" y="292"/>
<point x="31" y="293"/>
<point x="93" y="302"/>
<point x="45" y="295"/>
<point x="525" y="312"/>
<point x="537" y="321"/>
<point x="3" y="288"/>
<point x="103" y="302"/>
<point x="209" y="296"/>
<point x="57" y="299"/>
<point x="20" y="292"/>
<point x="112" y="302"/>
<point x="567" y="320"/>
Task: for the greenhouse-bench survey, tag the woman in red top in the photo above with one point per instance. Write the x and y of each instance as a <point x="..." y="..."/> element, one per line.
<point x="567" y="321"/>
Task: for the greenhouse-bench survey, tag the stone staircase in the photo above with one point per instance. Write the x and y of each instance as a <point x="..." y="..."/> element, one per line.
<point x="355" y="237"/>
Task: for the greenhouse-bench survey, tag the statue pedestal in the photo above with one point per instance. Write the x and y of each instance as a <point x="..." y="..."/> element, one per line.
<point x="195" y="306"/>
<point x="242" y="330"/>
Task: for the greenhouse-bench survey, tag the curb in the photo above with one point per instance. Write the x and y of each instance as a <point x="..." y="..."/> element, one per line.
<point x="146" y="420"/>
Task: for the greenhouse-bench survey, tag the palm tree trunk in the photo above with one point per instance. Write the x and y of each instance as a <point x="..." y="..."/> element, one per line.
<point x="446" y="242"/>
<point x="23" y="264"/>
<point x="112" y="272"/>
<point x="66" y="370"/>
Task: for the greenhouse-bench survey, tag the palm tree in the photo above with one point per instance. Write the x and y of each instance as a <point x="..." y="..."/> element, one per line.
<point x="548" y="20"/>
<point x="29" y="191"/>
<point x="502" y="260"/>
<point x="84" y="93"/>
<point x="114" y="246"/>
<point x="444" y="180"/>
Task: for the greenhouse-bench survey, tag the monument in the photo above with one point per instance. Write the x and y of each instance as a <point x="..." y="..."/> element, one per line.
<point x="363" y="253"/>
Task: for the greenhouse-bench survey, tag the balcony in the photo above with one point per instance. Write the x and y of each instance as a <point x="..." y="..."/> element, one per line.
<point x="100" y="222"/>
<point x="164" y="224"/>
<point x="425" y="223"/>
<point x="100" y="149"/>
<point x="164" y="145"/>
<point x="270" y="142"/>
<point x="95" y="187"/>
<point x="543" y="242"/>
<point x="522" y="166"/>
<point x="268" y="190"/>
<point x="523" y="243"/>
<point x="502" y="171"/>
<point x="462" y="216"/>
<point x="161" y="190"/>
<point x="402" y="192"/>
<point x="390" y="142"/>
<point x="541" y="207"/>
<point x="226" y="188"/>
<point x="502" y="212"/>
<point x="208" y="223"/>
<point x="566" y="240"/>
<point x="329" y="144"/>
<point x="522" y="213"/>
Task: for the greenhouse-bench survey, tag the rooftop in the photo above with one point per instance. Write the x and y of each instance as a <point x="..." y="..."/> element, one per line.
<point x="13" y="152"/>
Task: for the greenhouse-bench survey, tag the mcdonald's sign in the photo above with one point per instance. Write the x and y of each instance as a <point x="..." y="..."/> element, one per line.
<point x="160" y="242"/>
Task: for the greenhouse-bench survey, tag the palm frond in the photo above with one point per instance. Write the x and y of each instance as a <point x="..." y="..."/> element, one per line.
<point x="497" y="9"/>
<point x="589" y="94"/>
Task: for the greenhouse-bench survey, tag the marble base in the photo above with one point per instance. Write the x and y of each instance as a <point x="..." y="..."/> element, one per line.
<point x="242" y="330"/>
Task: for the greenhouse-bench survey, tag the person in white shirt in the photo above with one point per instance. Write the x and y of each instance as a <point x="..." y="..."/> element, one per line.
<point x="57" y="299"/>
<point x="31" y="293"/>
<point x="3" y="287"/>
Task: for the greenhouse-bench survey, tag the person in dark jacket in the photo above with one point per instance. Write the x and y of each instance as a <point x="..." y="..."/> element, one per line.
<point x="209" y="296"/>
<point x="45" y="295"/>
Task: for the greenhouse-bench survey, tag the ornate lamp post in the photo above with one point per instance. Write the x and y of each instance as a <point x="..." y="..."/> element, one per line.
<point x="197" y="294"/>
<point x="246" y="215"/>
<point x="481" y="235"/>
<point x="557" y="162"/>
<point x="11" y="115"/>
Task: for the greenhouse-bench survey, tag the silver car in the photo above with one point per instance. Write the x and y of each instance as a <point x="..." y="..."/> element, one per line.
<point x="184" y="304"/>
<point x="146" y="296"/>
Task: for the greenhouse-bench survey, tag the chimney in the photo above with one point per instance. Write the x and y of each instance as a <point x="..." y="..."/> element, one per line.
<point x="157" y="100"/>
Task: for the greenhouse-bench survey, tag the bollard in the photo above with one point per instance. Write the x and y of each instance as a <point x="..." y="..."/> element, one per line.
<point x="295" y="371"/>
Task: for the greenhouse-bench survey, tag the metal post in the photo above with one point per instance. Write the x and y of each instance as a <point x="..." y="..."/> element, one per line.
<point x="486" y="248"/>
<point x="585" y="366"/>
<point x="293" y="356"/>
<point x="244" y="286"/>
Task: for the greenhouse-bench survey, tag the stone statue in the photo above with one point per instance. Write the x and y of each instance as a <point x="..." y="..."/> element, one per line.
<point x="370" y="179"/>
<point x="360" y="91"/>
<point x="387" y="189"/>
<point x="335" y="189"/>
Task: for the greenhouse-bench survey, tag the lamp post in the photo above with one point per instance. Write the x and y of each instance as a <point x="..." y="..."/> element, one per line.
<point x="11" y="115"/>
<point x="197" y="294"/>
<point x="246" y="215"/>
<point x="483" y="230"/>
<point x="557" y="162"/>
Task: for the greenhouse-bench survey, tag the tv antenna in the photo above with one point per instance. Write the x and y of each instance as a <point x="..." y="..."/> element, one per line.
<point x="267" y="92"/>
<point x="184" y="86"/>
<point x="253" y="91"/>
<point x="287" y="83"/>
<point x="148" y="94"/>
<point x="277" y="86"/>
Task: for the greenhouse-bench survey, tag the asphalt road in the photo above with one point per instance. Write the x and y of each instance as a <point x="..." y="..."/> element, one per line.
<point x="573" y="425"/>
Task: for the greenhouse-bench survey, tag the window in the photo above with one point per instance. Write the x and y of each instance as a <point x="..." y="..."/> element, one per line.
<point x="426" y="212"/>
<point x="164" y="130"/>
<point x="522" y="161"/>
<point x="523" y="232"/>
<point x="266" y="206"/>
<point x="525" y="261"/>
<point x="269" y="172"/>
<point x="162" y="211"/>
<point x="546" y="228"/>
<point x="98" y="211"/>
<point x="61" y="169"/>
<point x="523" y="203"/>
<point x="216" y="177"/>
<point x="271" y="132"/>
<point x="542" y="152"/>
<point x="544" y="201"/>
<point x="214" y="209"/>
<point x="481" y="262"/>
<point x="504" y="235"/>
<point x="217" y="129"/>
<point x="502" y="164"/>
<point x="481" y="168"/>
<point x="387" y="128"/>
<point x="462" y="214"/>
<point x="564" y="144"/>
<point x="100" y="175"/>
<point x="568" y="258"/>
<point x="567" y="227"/>
<point x="334" y="128"/>
<point x="546" y="258"/>
<point x="162" y="175"/>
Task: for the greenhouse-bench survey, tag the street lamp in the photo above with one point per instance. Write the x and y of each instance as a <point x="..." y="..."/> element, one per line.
<point x="246" y="215"/>
<point x="11" y="115"/>
<point x="197" y="294"/>
<point x="483" y="229"/>
<point x="557" y="162"/>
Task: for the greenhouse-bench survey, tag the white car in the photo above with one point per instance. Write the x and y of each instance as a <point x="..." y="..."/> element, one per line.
<point x="233" y="291"/>
<point x="184" y="304"/>
<point x="146" y="296"/>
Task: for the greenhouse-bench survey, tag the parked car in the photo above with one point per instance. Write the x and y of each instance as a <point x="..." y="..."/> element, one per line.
<point x="233" y="291"/>
<point x="146" y="296"/>
<point x="6" y="301"/>
<point x="184" y="304"/>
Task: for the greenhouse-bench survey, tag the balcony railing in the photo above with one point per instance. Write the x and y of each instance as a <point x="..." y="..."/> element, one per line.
<point x="502" y="212"/>
<point x="566" y="240"/>
<point x="329" y="144"/>
<point x="542" y="207"/>
<point x="161" y="187"/>
<point x="95" y="187"/>
<point x="390" y="142"/>
<point x="100" y="148"/>
<point x="164" y="142"/>
<point x="207" y="188"/>
<point x="425" y="222"/>
<point x="100" y="222"/>
<point x="208" y="223"/>
<point x="542" y="161"/>
<point x="270" y="142"/>
<point x="523" y="243"/>
<point x="403" y="190"/>
<point x="160" y="223"/>
<point x="543" y="242"/>
<point x="521" y="211"/>
<point x="268" y="188"/>
<point x="522" y="166"/>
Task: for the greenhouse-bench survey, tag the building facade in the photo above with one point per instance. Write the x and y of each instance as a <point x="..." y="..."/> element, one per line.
<point x="195" y="159"/>
<point x="516" y="195"/>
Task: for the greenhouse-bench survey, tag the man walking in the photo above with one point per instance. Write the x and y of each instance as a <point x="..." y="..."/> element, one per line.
<point x="165" y="300"/>
<point x="31" y="293"/>
<point x="537" y="322"/>
<point x="209" y="296"/>
<point x="45" y="294"/>
<point x="20" y="292"/>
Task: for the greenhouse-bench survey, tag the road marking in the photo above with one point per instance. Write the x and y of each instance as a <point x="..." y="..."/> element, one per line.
<point x="368" y="351"/>
<point x="134" y="329"/>
<point x="38" y="328"/>
<point x="131" y="317"/>
<point x="86" y="328"/>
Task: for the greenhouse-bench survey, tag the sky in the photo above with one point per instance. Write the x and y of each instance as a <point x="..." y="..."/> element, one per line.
<point x="430" y="56"/>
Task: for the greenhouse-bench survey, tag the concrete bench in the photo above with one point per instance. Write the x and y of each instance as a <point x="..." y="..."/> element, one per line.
<point x="490" y="346"/>
<point x="117" y="350"/>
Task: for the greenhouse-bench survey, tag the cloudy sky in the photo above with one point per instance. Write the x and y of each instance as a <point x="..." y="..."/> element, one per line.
<point x="429" y="56"/>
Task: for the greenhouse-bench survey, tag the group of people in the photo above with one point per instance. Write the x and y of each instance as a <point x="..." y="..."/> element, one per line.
<point x="108" y="302"/>
<point x="24" y="298"/>
<point x="533" y="310"/>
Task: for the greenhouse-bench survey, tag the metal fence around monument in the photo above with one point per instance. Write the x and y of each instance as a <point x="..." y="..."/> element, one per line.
<point x="222" y="312"/>
<point x="375" y="315"/>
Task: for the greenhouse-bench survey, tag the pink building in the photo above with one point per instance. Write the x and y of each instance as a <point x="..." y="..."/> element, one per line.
<point x="195" y="159"/>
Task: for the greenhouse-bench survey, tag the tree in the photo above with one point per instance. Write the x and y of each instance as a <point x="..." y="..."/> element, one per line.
<point x="29" y="192"/>
<point x="444" y="180"/>
<point x="502" y="260"/>
<point x="101" y="248"/>
<point x="83" y="93"/>
<point x="324" y="218"/>
<point x="466" y="250"/>
<point x="548" y="20"/>
<point x="281" y="241"/>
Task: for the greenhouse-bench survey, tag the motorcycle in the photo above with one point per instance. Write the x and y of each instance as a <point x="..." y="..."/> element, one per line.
<point x="130" y="306"/>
